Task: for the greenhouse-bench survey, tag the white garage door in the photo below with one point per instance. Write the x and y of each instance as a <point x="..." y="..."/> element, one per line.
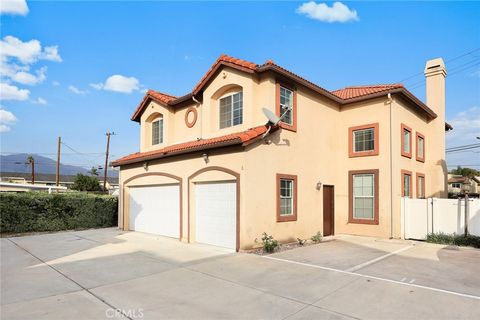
<point x="155" y="209"/>
<point x="215" y="211"/>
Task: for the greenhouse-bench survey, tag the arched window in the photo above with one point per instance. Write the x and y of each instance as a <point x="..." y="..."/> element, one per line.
<point x="157" y="131"/>
<point x="231" y="110"/>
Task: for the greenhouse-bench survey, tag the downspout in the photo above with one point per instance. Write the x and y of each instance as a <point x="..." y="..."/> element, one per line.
<point x="201" y="115"/>
<point x="389" y="101"/>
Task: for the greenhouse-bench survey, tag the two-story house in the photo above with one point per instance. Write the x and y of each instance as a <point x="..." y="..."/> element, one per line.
<point x="211" y="169"/>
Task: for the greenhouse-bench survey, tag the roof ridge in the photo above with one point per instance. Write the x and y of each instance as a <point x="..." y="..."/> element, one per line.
<point x="384" y="85"/>
<point x="150" y="91"/>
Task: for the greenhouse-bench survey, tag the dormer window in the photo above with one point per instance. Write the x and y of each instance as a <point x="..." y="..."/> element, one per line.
<point x="157" y="131"/>
<point x="231" y="110"/>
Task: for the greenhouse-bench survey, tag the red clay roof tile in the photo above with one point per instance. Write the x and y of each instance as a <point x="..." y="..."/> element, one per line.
<point x="360" y="91"/>
<point x="243" y="138"/>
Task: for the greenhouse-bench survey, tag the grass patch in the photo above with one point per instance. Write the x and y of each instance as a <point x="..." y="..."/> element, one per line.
<point x="454" y="239"/>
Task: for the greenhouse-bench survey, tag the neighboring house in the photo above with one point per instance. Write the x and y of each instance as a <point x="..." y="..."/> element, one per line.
<point x="458" y="184"/>
<point x="211" y="170"/>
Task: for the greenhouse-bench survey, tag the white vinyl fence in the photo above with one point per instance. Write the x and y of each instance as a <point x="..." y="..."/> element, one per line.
<point x="433" y="215"/>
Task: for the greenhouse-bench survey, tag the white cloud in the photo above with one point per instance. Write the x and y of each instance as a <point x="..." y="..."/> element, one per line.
<point x="76" y="90"/>
<point x="39" y="101"/>
<point x="26" y="52"/>
<point x="6" y="119"/>
<point x="118" y="83"/>
<point x="30" y="79"/>
<point x="466" y="129"/>
<point x="6" y="116"/>
<point x="338" y="12"/>
<point x="96" y="86"/>
<point x="9" y="92"/>
<point x="18" y="7"/>
<point x="4" y="128"/>
<point x="51" y="53"/>
<point x="55" y="83"/>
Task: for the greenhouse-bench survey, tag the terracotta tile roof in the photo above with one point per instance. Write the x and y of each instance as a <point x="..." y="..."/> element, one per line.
<point x="225" y="60"/>
<point x="360" y="91"/>
<point x="155" y="95"/>
<point x="239" y="138"/>
<point x="341" y="96"/>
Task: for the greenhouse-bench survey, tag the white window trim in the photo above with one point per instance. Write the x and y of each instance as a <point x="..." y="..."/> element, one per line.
<point x="226" y="95"/>
<point x="161" y="137"/>
<point x="364" y="197"/>
<point x="354" y="140"/>
<point x="282" y="107"/>
<point x="292" y="182"/>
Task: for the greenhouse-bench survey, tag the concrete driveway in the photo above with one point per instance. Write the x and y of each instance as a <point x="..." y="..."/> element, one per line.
<point x="109" y="274"/>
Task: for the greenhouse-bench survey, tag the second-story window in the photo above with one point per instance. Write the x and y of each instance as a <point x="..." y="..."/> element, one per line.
<point x="406" y="141"/>
<point x="286" y="105"/>
<point x="363" y="140"/>
<point x="157" y="131"/>
<point x="231" y="110"/>
<point x="420" y="147"/>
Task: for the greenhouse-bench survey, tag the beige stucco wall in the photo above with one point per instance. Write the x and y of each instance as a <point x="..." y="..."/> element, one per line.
<point x="317" y="152"/>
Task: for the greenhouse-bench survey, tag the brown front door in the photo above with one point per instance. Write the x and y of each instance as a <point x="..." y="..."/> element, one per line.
<point x="328" y="210"/>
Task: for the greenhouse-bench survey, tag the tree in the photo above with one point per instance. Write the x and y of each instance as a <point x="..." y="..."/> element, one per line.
<point x="85" y="183"/>
<point x="465" y="172"/>
<point x="93" y="171"/>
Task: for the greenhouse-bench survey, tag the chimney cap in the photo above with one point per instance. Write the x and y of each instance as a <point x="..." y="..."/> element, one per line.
<point x="435" y="66"/>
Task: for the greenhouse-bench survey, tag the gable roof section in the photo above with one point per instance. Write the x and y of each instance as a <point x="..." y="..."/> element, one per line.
<point x="242" y="138"/>
<point x="159" y="97"/>
<point x="359" y="91"/>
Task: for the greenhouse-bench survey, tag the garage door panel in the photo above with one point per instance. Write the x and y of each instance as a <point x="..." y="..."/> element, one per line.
<point x="155" y="209"/>
<point x="216" y="207"/>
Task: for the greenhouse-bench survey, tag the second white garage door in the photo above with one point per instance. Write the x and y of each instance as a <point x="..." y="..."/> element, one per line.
<point x="155" y="209"/>
<point x="216" y="213"/>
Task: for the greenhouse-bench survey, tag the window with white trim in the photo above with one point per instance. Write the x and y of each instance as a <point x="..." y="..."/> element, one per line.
<point x="364" y="140"/>
<point x="286" y="103"/>
<point x="231" y="110"/>
<point x="363" y="196"/>
<point x="286" y="197"/>
<point x="407" y="148"/>
<point x="157" y="131"/>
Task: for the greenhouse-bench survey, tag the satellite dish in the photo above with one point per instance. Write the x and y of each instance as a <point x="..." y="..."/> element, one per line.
<point x="272" y="117"/>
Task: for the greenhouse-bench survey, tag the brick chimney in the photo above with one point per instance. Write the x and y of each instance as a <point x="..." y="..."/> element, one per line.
<point x="435" y="74"/>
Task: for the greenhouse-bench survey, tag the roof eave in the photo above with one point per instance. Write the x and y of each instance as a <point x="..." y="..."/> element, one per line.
<point x="236" y="141"/>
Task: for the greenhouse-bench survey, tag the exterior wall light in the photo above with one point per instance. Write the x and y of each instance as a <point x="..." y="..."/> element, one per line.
<point x="319" y="185"/>
<point x="205" y="158"/>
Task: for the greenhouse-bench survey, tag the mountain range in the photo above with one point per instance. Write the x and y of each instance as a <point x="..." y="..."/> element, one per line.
<point x="18" y="163"/>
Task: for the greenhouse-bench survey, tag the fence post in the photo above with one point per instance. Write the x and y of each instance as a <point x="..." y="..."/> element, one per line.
<point x="466" y="213"/>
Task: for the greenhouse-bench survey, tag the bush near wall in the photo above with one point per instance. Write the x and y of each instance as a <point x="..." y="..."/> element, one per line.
<point x="35" y="211"/>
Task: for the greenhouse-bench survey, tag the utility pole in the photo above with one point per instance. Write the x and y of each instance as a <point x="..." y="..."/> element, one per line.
<point x="108" y="134"/>
<point x="57" y="179"/>
<point x="31" y="161"/>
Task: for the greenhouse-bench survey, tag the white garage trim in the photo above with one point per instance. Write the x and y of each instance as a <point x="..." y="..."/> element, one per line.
<point x="237" y="204"/>
<point x="125" y="221"/>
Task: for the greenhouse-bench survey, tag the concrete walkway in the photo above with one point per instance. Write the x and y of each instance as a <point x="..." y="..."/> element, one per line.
<point x="108" y="274"/>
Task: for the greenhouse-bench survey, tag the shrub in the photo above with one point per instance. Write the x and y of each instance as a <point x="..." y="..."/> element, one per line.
<point x="454" y="239"/>
<point x="35" y="211"/>
<point x="317" y="238"/>
<point x="269" y="244"/>
<point x="85" y="183"/>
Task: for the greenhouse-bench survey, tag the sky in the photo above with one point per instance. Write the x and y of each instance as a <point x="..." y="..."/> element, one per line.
<point x="80" y="69"/>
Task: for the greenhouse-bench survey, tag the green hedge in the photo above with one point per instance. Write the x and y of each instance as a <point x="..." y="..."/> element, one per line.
<point x="35" y="211"/>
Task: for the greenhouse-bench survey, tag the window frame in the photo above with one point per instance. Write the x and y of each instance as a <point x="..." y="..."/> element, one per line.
<point x="351" y="199"/>
<point x="351" y="141"/>
<point x="160" y="132"/>
<point x="404" y="128"/>
<point x="230" y="95"/>
<point x="419" y="136"/>
<point x="418" y="176"/>
<point x="403" y="174"/>
<point x="294" y="179"/>
<point x="286" y="126"/>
